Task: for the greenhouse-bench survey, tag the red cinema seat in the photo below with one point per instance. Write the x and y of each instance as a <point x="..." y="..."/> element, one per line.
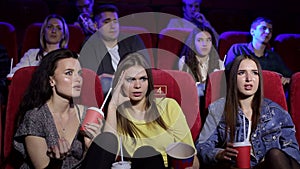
<point x="181" y="87"/>
<point x="170" y="44"/>
<point x="288" y="47"/>
<point x="228" y="38"/>
<point x="91" y="95"/>
<point x="8" y="38"/>
<point x="295" y="102"/>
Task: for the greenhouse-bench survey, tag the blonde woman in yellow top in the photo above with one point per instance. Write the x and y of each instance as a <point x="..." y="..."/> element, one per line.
<point x="146" y="125"/>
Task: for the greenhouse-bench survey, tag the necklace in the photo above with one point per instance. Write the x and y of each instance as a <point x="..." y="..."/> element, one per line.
<point x="62" y="130"/>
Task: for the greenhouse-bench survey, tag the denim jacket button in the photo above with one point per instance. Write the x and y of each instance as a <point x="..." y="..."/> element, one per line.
<point x="274" y="137"/>
<point x="254" y="135"/>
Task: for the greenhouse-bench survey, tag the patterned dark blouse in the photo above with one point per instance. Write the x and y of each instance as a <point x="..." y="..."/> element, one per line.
<point x="40" y="122"/>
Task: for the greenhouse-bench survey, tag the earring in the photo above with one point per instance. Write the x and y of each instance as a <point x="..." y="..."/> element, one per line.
<point x="51" y="83"/>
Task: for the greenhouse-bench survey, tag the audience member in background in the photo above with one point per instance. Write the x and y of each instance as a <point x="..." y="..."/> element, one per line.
<point x="246" y="116"/>
<point x="146" y="125"/>
<point x="191" y="17"/>
<point x="261" y="32"/>
<point x="85" y="8"/>
<point x="47" y="135"/>
<point x="54" y="35"/>
<point x="199" y="56"/>
<point x="104" y="49"/>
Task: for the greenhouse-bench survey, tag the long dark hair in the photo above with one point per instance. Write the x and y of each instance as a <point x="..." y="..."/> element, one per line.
<point x="232" y="97"/>
<point x="152" y="116"/>
<point x="39" y="90"/>
<point x="190" y="52"/>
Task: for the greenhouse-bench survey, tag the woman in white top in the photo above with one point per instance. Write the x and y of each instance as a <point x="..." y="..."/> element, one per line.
<point x="54" y="35"/>
<point x="199" y="56"/>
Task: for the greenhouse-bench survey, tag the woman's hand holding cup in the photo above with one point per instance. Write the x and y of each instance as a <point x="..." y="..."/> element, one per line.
<point x="92" y="123"/>
<point x="93" y="129"/>
<point x="228" y="153"/>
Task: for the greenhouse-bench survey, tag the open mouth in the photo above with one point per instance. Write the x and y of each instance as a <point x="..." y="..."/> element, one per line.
<point x="248" y="87"/>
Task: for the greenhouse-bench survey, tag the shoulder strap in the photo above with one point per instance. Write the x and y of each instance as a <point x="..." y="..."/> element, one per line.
<point x="83" y="113"/>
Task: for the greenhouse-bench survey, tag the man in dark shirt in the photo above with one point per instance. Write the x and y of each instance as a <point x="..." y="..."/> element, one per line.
<point x="107" y="46"/>
<point x="104" y="49"/>
<point x="261" y="31"/>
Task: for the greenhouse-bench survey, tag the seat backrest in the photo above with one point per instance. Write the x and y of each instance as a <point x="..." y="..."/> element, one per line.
<point x="91" y="95"/>
<point x="77" y="38"/>
<point x="22" y="13"/>
<point x="170" y="44"/>
<point x="288" y="47"/>
<point x="216" y="88"/>
<point x="8" y="38"/>
<point x="228" y="38"/>
<point x="181" y="87"/>
<point x="166" y="2"/>
<point x="144" y="34"/>
<point x="17" y="88"/>
<point x="128" y="9"/>
<point x="274" y="91"/>
<point x="32" y="38"/>
<point x="295" y="102"/>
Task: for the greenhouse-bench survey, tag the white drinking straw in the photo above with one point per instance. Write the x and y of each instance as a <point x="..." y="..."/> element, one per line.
<point x="106" y="97"/>
<point x="11" y="64"/>
<point x="121" y="149"/>
<point x="81" y="18"/>
<point x="245" y="137"/>
<point x="249" y="131"/>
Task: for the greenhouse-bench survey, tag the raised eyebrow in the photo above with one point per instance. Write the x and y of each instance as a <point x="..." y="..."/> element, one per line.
<point x="107" y="20"/>
<point x="144" y="76"/>
<point x="129" y="77"/>
<point x="51" y="24"/>
<point x="69" y="69"/>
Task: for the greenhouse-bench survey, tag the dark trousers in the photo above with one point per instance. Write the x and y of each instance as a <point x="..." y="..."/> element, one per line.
<point x="103" y="153"/>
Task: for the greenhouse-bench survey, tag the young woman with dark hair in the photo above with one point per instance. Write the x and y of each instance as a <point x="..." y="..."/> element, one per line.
<point x="48" y="131"/>
<point x="199" y="56"/>
<point x="246" y="114"/>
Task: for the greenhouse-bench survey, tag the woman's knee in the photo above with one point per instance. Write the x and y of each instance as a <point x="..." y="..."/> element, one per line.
<point x="274" y="154"/>
<point x="148" y="158"/>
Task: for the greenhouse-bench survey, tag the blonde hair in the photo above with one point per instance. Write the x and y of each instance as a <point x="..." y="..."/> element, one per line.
<point x="65" y="39"/>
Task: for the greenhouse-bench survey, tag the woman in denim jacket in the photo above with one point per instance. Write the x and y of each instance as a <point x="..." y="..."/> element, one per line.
<point x="268" y="127"/>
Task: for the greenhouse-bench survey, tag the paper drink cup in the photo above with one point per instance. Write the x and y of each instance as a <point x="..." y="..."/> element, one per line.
<point x="121" y="165"/>
<point x="243" y="157"/>
<point x="180" y="155"/>
<point x="91" y="116"/>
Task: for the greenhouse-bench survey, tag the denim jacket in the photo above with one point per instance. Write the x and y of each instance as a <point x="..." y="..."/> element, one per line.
<point x="275" y="130"/>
